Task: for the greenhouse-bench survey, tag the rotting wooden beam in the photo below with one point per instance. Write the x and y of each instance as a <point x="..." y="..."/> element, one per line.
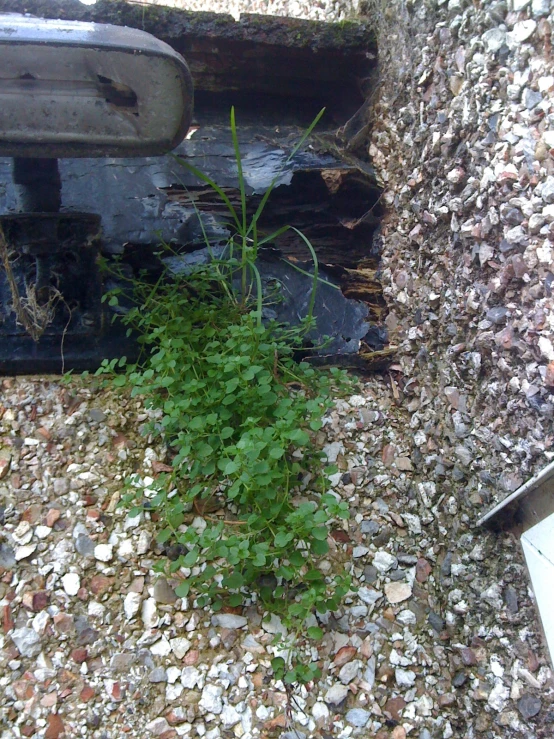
<point x="278" y="73"/>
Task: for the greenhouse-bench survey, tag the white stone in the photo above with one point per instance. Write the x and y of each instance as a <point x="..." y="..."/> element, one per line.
<point x="149" y="613"/>
<point x="369" y="673"/>
<point x="27" y="641"/>
<point x="496" y="668"/>
<point x="494" y="39"/>
<point x="143" y="544"/>
<point x="523" y="30"/>
<point x="229" y="621"/>
<point x="251" y="645"/>
<point x="368" y="595"/>
<point x="536" y="222"/>
<point x="23" y="533"/>
<point x="406" y="617"/>
<point x="24" y="551"/>
<point x="358" y="717"/>
<point x="546" y="348"/>
<point x="173" y="674"/>
<point x="40" y="621"/>
<point x="157" y="726"/>
<point x="263" y="713"/>
<point x="103" y="552"/>
<point x="211" y="699"/>
<point x="349" y="671"/>
<point x="320" y="712"/>
<point x="131" y="604"/>
<point x="71" y="583"/>
<point x="486" y="252"/>
<point x="173" y="691"/>
<point x="383" y="561"/>
<point x="273" y="625"/>
<point x="404" y="678"/>
<point x="516" y="235"/>
<point x="548" y="213"/>
<point x="229" y="716"/>
<point x="333" y="450"/>
<point x="544" y="253"/>
<point x="95" y="609"/>
<point x="126" y="549"/>
<point x="336" y="694"/>
<point x="43" y="532"/>
<point x="396" y="592"/>
<point x="424" y="705"/>
<point x="180" y="646"/>
<point x="161" y="648"/>
<point x="132" y="522"/>
<point x="547" y="190"/>
<point x="190" y="677"/>
<point x="540" y="8"/>
<point x="498" y="696"/>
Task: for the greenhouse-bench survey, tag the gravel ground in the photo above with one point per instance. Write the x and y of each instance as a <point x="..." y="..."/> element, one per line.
<point x="441" y="640"/>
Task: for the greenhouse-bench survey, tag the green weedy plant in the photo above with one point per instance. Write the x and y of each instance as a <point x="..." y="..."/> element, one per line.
<point x="245" y="510"/>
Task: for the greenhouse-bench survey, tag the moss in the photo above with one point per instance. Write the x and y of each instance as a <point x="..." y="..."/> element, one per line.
<point x="173" y="24"/>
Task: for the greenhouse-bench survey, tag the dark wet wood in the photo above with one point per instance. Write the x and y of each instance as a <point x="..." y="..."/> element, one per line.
<point x="278" y="73"/>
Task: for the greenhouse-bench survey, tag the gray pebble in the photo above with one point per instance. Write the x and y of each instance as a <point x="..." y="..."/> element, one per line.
<point x="122" y="661"/>
<point x="96" y="415"/>
<point x="510" y="597"/>
<point x="61" y="486"/>
<point x="547" y="191"/>
<point x="457" y="474"/>
<point x="358" y="717"/>
<point x="497" y="315"/>
<point x="7" y="557"/>
<point x="407" y="559"/>
<point x="459" y="679"/>
<point x="446" y="566"/>
<point x="529" y="705"/>
<point x="369" y="528"/>
<point x="229" y="621"/>
<point x="513" y="216"/>
<point x="396" y="575"/>
<point x="436" y="621"/>
<point x="163" y="592"/>
<point x="336" y="694"/>
<point x="158" y="675"/>
<point x="531" y="99"/>
<point x="84" y="545"/>
<point x="370" y="573"/>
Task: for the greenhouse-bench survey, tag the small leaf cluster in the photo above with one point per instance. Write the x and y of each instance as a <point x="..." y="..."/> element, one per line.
<point x="239" y="414"/>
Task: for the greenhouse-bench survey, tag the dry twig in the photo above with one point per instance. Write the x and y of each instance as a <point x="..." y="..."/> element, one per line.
<point x="35" y="316"/>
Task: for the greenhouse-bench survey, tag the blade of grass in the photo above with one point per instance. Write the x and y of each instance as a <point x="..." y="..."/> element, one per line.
<point x="273" y="236"/>
<point x="238" y="159"/>
<point x="309" y="274"/>
<point x="259" y="296"/>
<point x="306" y="133"/>
<point x="204" y="177"/>
<point x="307" y="241"/>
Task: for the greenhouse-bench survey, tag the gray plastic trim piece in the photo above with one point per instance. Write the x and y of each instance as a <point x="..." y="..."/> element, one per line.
<point x="72" y="89"/>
